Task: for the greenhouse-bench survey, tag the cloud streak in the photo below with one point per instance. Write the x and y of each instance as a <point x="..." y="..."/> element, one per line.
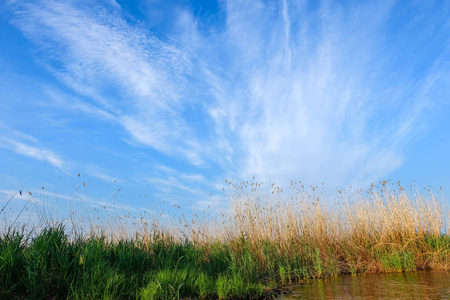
<point x="33" y="152"/>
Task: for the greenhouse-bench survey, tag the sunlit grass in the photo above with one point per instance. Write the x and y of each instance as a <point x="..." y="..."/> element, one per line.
<point x="268" y="239"/>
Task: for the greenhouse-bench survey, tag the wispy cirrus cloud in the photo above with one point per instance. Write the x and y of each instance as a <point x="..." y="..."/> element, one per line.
<point x="32" y="151"/>
<point x="320" y="96"/>
<point x="67" y="102"/>
<point x="27" y="145"/>
<point x="99" y="54"/>
<point x="281" y="89"/>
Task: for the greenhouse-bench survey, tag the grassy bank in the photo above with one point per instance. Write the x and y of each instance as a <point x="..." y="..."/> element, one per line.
<point x="266" y="241"/>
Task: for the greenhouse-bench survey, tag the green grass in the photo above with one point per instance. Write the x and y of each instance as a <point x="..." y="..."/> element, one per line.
<point x="262" y="248"/>
<point x="52" y="266"/>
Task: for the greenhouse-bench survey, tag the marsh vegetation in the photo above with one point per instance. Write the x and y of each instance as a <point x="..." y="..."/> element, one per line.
<point x="268" y="239"/>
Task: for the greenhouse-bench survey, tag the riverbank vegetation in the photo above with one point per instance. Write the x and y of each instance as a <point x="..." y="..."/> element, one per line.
<point x="266" y="241"/>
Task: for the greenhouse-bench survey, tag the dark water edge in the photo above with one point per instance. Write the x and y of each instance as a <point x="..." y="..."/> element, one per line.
<point x="415" y="285"/>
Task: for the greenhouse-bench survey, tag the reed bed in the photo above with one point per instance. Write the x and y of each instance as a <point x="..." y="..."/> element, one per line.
<point x="268" y="239"/>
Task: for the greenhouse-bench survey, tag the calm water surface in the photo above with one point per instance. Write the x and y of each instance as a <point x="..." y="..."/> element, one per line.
<point x="418" y="285"/>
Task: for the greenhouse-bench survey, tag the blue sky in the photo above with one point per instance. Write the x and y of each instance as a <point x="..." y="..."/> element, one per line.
<point x="168" y="99"/>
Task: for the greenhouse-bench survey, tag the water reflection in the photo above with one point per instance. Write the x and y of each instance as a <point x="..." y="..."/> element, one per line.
<point x="418" y="285"/>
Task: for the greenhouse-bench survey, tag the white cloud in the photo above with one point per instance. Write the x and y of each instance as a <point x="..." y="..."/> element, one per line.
<point x="74" y="104"/>
<point x="100" y="173"/>
<point x="30" y="151"/>
<point x="101" y="53"/>
<point x="282" y="90"/>
<point x="191" y="177"/>
<point x="314" y="103"/>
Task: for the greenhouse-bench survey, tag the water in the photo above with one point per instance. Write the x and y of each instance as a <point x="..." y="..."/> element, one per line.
<point x="418" y="285"/>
